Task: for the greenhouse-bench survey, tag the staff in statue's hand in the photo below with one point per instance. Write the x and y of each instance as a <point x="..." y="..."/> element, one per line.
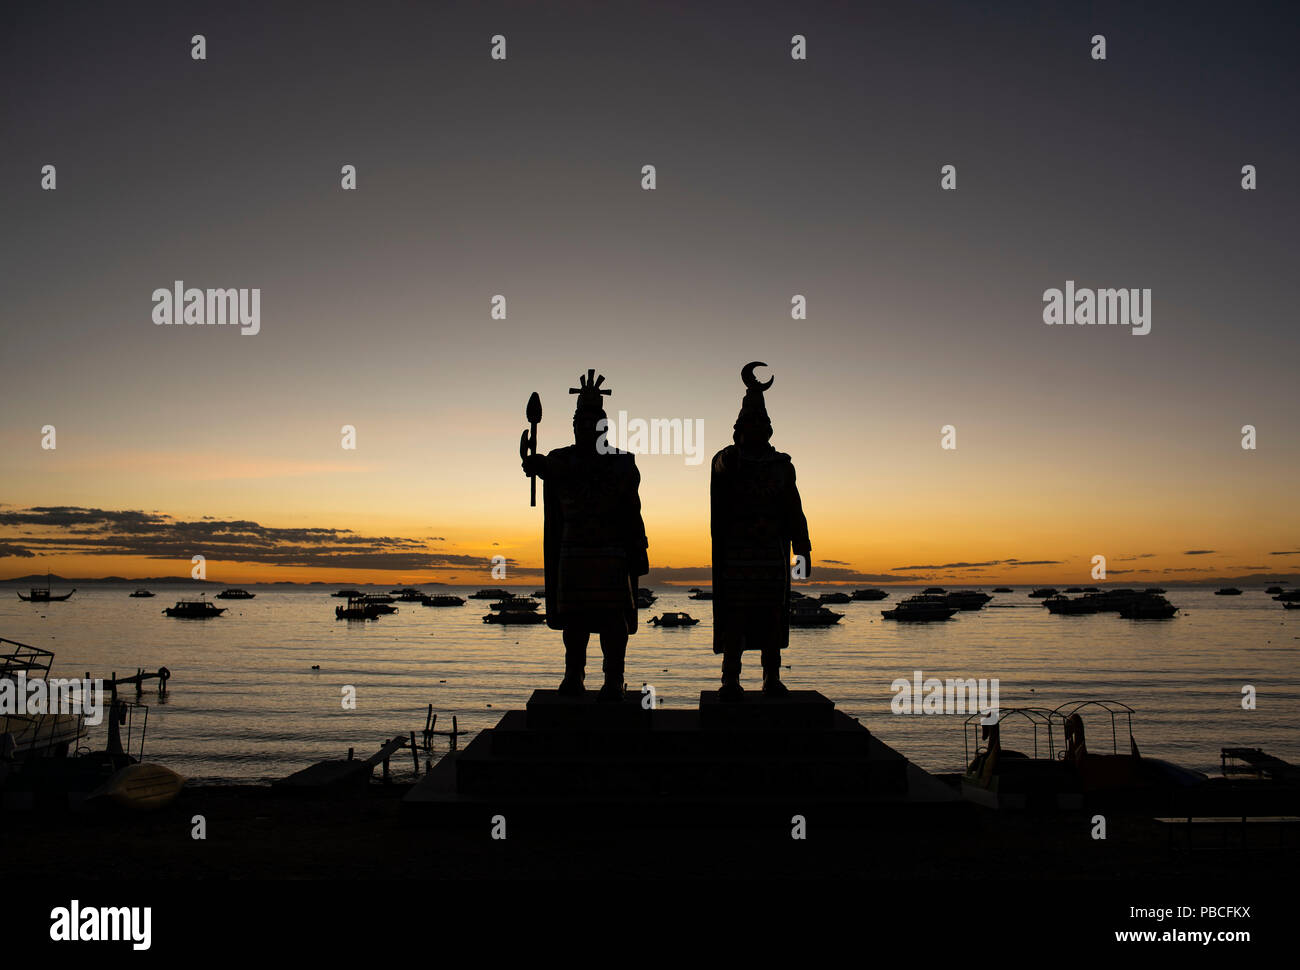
<point x="528" y="444"/>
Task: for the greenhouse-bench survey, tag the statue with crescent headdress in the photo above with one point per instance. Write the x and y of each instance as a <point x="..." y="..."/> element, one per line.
<point x="594" y="542"/>
<point x="757" y="520"/>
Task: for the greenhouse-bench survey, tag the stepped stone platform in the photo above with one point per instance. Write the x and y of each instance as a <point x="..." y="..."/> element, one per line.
<point x="575" y="762"/>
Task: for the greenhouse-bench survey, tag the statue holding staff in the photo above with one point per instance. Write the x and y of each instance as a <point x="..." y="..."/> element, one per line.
<point x="594" y="540"/>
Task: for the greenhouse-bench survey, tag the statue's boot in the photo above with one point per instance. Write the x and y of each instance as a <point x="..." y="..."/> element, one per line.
<point x="731" y="689"/>
<point x="772" y="686"/>
<point x="613" y="688"/>
<point x="575" y="670"/>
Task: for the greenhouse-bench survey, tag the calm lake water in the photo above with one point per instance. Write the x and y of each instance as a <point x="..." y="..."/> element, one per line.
<point x="245" y="706"/>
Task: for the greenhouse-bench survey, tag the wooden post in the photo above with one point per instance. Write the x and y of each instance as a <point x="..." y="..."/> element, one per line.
<point x="350" y="751"/>
<point x="454" y="732"/>
<point x="415" y="755"/>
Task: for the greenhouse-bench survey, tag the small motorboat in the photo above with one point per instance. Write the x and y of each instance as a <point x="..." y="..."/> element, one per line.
<point x="1148" y="608"/>
<point x="702" y="594"/>
<point x="934" y="591"/>
<point x="810" y="612"/>
<point x="1002" y="589"/>
<point x="408" y="594"/>
<point x="835" y="598"/>
<point x="347" y="594"/>
<point x="1064" y="606"/>
<point x="1291" y="606"/>
<point x="194" y="610"/>
<point x="968" y="599"/>
<point x="1273" y="590"/>
<point x="235" y="594"/>
<point x="516" y="604"/>
<point x="645" y="598"/>
<point x="1114" y="600"/>
<point x="359" y="608"/>
<point x="1074" y="589"/>
<point x="379" y="603"/>
<point x="921" y="609"/>
<point x="1290" y="596"/>
<point x="674" y="619"/>
<point x="141" y="594"/>
<point x="441" y="599"/>
<point x="1043" y="592"/>
<point x="491" y="594"/>
<point x="1226" y="591"/>
<point x="868" y="594"/>
<point x="514" y="616"/>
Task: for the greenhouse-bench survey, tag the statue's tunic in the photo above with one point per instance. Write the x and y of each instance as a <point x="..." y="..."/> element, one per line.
<point x="594" y="540"/>
<point x="757" y="519"/>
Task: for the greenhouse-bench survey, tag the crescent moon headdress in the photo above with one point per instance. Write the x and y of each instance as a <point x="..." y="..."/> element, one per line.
<point x="752" y="423"/>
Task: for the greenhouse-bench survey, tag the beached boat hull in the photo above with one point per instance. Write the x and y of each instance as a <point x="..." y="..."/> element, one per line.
<point x="140" y="788"/>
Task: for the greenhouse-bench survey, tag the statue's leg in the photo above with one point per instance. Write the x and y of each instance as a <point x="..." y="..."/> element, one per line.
<point x="575" y="661"/>
<point x="772" y="686"/>
<point x="613" y="644"/>
<point x="731" y="663"/>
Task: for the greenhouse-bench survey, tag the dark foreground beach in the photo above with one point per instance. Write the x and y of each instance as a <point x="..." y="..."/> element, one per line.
<point x="258" y="833"/>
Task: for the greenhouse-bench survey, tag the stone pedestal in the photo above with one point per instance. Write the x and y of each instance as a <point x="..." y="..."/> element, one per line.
<point x="578" y="762"/>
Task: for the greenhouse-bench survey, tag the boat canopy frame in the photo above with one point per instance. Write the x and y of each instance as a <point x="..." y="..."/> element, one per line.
<point x="1047" y="720"/>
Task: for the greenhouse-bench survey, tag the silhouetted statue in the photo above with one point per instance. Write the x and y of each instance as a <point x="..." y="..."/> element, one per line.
<point x="757" y="518"/>
<point x="594" y="542"/>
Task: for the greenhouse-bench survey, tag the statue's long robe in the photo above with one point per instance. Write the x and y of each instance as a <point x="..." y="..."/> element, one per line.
<point x="756" y="521"/>
<point x="594" y="540"/>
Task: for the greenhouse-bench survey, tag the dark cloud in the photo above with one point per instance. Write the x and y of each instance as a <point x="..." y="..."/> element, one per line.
<point x="18" y="552"/>
<point x="980" y="565"/>
<point x="100" y="532"/>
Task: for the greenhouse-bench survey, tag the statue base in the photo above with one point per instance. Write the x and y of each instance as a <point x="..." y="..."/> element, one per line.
<point x="572" y="761"/>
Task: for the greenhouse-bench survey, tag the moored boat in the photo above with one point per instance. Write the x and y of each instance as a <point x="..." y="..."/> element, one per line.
<point x="1148" y="608"/>
<point x="1226" y="591"/>
<point x="43" y="594"/>
<point x="968" y="599"/>
<point x="346" y="594"/>
<point x="702" y="594"/>
<point x="645" y="598"/>
<point x="810" y="612"/>
<point x="1064" y="606"/>
<point x="836" y="597"/>
<point x="1290" y="596"/>
<point x="491" y="594"/>
<point x="141" y="594"/>
<point x="194" y="610"/>
<point x="869" y="594"/>
<point x="514" y="616"/>
<point x="516" y="604"/>
<point x="673" y="619"/>
<point x="924" y="608"/>
<point x="1002" y="589"/>
<point x="359" y="608"/>
<point x="1273" y="590"/>
<point x="235" y="594"/>
<point x="442" y="599"/>
<point x="408" y="594"/>
<point x="1065" y="776"/>
<point x="1043" y="592"/>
